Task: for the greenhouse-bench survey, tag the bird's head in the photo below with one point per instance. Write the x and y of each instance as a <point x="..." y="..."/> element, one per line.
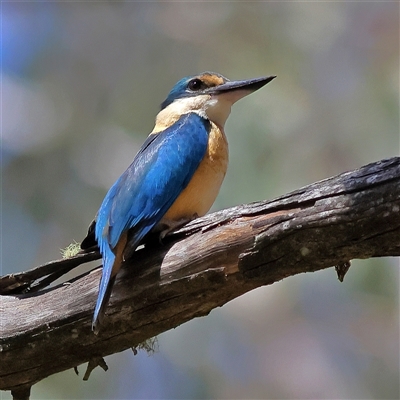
<point x="209" y="94"/>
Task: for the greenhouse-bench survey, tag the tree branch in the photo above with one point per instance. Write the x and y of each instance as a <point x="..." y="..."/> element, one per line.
<point x="202" y="266"/>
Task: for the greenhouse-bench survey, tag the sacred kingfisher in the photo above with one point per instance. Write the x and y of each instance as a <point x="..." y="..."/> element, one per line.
<point x="174" y="178"/>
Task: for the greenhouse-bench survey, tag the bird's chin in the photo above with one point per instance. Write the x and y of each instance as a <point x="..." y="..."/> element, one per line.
<point x="218" y="110"/>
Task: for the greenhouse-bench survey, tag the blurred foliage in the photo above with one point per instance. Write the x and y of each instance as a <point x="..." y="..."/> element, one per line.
<point x="81" y="85"/>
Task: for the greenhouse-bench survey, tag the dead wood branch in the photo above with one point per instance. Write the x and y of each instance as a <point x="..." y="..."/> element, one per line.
<point x="202" y="266"/>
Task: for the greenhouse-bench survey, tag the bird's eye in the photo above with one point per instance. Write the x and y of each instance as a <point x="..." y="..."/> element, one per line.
<point x="195" y="85"/>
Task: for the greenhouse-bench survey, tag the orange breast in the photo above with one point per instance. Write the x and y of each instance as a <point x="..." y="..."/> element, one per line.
<point x="202" y="190"/>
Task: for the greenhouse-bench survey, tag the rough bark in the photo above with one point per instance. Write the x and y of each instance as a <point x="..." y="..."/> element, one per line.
<point x="202" y="266"/>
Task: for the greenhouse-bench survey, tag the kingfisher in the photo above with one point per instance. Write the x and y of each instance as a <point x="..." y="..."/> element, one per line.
<point x="175" y="176"/>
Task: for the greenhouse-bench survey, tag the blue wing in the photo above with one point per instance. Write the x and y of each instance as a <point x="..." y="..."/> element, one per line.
<point x="142" y="195"/>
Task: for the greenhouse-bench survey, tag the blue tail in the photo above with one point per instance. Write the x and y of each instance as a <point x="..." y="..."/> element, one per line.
<point x="105" y="288"/>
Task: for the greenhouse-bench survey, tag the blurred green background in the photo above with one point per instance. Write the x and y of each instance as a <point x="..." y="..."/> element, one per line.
<point x="81" y="85"/>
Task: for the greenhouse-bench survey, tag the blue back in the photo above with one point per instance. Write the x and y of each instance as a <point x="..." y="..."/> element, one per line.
<point x="146" y="190"/>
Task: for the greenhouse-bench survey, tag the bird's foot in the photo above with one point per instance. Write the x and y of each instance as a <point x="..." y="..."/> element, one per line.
<point x="169" y="226"/>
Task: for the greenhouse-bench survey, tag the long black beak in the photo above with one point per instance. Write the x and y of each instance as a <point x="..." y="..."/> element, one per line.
<point x="250" y="85"/>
